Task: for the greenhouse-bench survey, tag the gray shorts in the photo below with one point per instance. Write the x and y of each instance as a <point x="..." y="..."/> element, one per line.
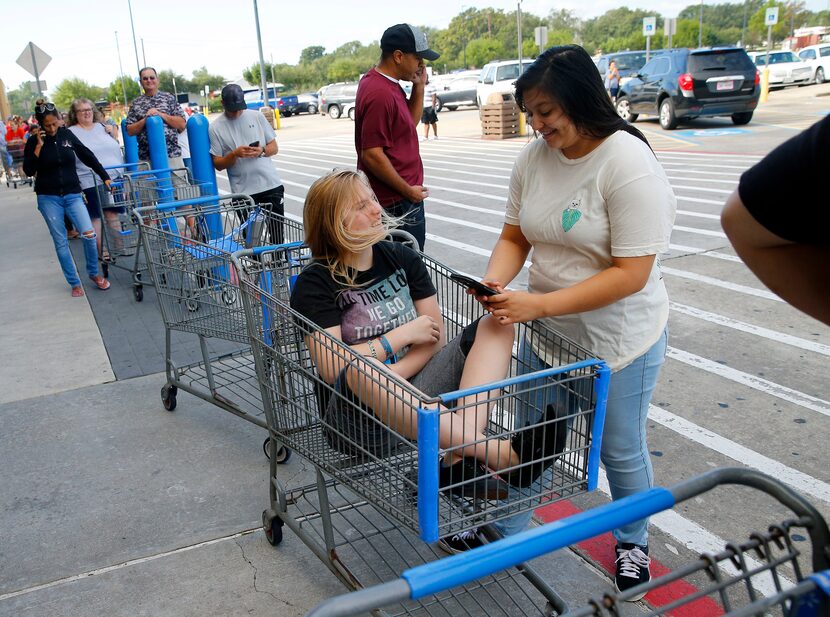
<point x="352" y="428"/>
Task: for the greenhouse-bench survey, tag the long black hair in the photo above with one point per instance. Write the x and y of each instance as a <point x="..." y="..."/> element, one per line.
<point x="567" y="75"/>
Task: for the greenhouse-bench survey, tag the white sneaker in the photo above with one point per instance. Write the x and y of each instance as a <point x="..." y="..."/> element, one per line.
<point x="460" y="542"/>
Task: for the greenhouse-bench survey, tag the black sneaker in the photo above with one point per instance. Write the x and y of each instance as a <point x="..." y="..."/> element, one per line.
<point x="632" y="568"/>
<point x="468" y="478"/>
<point x="460" y="542"/>
<point x="537" y="445"/>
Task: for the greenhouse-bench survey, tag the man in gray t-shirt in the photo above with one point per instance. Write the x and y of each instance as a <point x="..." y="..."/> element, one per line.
<point x="242" y="142"/>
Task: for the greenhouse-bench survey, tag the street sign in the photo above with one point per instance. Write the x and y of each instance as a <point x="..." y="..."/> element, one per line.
<point x="33" y="86"/>
<point x="649" y="26"/>
<point x="541" y="34"/>
<point x="670" y="26"/>
<point x="771" y="16"/>
<point x="34" y="60"/>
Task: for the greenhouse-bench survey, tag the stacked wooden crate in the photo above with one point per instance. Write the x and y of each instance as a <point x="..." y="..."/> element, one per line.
<point x="500" y="117"/>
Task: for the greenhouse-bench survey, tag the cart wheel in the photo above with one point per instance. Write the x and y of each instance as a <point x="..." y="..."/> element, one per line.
<point x="138" y="276"/>
<point x="105" y="269"/>
<point x="192" y="304"/>
<point x="272" y="526"/>
<point x="168" y="397"/>
<point x="138" y="291"/>
<point x="228" y="296"/>
<point x="283" y="453"/>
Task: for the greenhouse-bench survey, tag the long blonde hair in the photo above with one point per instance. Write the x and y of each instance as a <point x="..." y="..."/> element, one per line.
<point x="328" y="203"/>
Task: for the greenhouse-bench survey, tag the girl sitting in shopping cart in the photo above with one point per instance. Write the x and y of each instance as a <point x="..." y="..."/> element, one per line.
<point x="377" y="297"/>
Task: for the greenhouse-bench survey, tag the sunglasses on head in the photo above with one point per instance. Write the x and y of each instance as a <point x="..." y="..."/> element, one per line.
<point x="41" y="109"/>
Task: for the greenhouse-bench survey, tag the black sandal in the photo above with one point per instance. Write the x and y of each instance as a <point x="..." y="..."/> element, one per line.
<point x="538" y="445"/>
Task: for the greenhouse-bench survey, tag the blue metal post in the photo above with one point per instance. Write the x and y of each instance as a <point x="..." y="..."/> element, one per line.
<point x="130" y="144"/>
<point x="203" y="172"/>
<point x="428" y="428"/>
<point x="154" y="126"/>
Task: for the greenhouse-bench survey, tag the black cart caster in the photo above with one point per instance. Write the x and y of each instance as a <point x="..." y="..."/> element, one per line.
<point x="168" y="397"/>
<point x="272" y="526"/>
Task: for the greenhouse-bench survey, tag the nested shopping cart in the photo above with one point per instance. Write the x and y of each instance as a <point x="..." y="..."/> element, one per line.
<point x="17" y="176"/>
<point x="796" y="580"/>
<point x="376" y="509"/>
<point x="188" y="245"/>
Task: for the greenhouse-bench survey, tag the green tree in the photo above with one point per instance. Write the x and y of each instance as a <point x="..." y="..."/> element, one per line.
<point x="343" y="69"/>
<point x="22" y="100"/>
<point x="72" y="88"/>
<point x="182" y="84"/>
<point x="310" y="54"/>
<point x="115" y="93"/>
<point x="202" y="78"/>
<point x="483" y="50"/>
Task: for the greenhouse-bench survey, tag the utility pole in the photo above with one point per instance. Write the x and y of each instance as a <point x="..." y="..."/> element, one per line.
<point x="135" y="45"/>
<point x="121" y="70"/>
<point x="263" y="81"/>
<point x="143" y="55"/>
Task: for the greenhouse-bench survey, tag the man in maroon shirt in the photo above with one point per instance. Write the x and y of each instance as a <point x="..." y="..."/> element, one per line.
<point x="385" y="121"/>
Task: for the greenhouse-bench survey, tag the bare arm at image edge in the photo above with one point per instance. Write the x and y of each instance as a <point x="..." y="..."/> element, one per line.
<point x="796" y="272"/>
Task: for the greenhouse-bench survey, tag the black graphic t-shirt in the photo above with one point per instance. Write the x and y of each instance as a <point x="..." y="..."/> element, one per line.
<point x="384" y="299"/>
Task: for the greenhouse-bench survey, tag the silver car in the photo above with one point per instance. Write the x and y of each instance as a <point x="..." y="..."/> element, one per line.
<point x="785" y="68"/>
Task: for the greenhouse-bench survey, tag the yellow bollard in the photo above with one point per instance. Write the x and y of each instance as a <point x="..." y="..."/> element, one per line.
<point x="764" y="85"/>
<point x="277" y="117"/>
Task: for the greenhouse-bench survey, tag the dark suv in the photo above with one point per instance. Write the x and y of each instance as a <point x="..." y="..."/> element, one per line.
<point x="682" y="84"/>
<point x="334" y="98"/>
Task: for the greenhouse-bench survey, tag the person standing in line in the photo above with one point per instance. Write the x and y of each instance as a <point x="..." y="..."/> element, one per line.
<point x="86" y="123"/>
<point x="591" y="206"/>
<point x="156" y="103"/>
<point x="789" y="256"/>
<point x="50" y="155"/>
<point x="385" y="133"/>
<point x="242" y="142"/>
<point x="429" y="117"/>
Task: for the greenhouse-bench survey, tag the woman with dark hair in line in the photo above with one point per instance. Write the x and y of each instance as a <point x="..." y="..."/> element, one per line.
<point x="593" y="203"/>
<point x="51" y="154"/>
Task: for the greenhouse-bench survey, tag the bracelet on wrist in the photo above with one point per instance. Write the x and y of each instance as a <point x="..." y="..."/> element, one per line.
<point x="371" y="344"/>
<point x="387" y="347"/>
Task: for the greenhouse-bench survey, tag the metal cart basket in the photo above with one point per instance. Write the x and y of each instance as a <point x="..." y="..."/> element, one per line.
<point x="198" y="292"/>
<point x="729" y="576"/>
<point x="377" y="503"/>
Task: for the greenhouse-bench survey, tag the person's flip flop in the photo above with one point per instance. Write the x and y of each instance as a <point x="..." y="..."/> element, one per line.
<point x="102" y="283"/>
<point x="77" y="292"/>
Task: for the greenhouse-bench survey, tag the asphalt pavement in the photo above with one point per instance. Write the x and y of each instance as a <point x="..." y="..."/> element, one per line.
<point x="113" y="506"/>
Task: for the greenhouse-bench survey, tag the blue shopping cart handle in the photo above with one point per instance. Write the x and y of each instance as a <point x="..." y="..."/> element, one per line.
<point x="195" y="201"/>
<point x="123" y="165"/>
<point x="268" y="248"/>
<point x="471" y="565"/>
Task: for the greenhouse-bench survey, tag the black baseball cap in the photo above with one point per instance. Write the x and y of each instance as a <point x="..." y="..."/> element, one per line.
<point x="233" y="99"/>
<point x="408" y="39"/>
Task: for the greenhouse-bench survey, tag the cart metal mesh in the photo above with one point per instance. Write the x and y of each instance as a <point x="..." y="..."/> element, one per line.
<point x="726" y="583"/>
<point x="196" y="284"/>
<point x="379" y="463"/>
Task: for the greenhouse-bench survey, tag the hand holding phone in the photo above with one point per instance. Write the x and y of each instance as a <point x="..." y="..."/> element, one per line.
<point x="480" y="288"/>
<point x="254" y="144"/>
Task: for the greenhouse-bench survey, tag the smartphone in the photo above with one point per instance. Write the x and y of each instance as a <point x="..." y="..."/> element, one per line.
<point x="254" y="144"/>
<point x="480" y="288"/>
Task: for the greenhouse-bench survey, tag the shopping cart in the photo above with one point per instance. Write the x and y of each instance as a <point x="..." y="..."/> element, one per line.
<point x="198" y="292"/>
<point x="121" y="240"/>
<point x="374" y="508"/>
<point x="17" y="176"/>
<point x="729" y="578"/>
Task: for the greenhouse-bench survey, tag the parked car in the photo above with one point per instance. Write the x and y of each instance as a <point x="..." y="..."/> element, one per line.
<point x="459" y="91"/>
<point x="287" y="105"/>
<point x="628" y="63"/>
<point x="499" y="77"/>
<point x="348" y="110"/>
<point x="785" y="68"/>
<point x="253" y="98"/>
<point x="307" y="103"/>
<point x="682" y="84"/>
<point x="818" y="57"/>
<point x="333" y="98"/>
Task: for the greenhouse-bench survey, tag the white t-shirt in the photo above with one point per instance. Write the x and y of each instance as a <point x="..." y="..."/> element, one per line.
<point x="429" y="90"/>
<point x="105" y="149"/>
<point x="577" y="214"/>
<point x="247" y="176"/>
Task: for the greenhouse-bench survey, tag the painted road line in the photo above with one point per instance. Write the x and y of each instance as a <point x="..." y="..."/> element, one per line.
<point x="702" y="215"/>
<point x="772" y="335"/>
<point x="708" y="280"/>
<point x="695" y="250"/>
<point x="701" y="232"/>
<point x="760" y="384"/>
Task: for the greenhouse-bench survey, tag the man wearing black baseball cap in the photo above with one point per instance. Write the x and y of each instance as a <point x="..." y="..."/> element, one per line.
<point x="242" y="141"/>
<point x="385" y="119"/>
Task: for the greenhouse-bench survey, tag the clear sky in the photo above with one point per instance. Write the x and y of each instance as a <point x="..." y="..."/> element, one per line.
<point x="183" y="36"/>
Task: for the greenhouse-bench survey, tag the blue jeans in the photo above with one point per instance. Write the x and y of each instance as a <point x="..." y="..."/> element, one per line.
<point x="53" y="208"/>
<point x="413" y="218"/>
<point x="624" y="452"/>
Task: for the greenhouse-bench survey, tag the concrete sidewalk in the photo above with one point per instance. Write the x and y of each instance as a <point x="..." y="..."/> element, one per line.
<point x="110" y="504"/>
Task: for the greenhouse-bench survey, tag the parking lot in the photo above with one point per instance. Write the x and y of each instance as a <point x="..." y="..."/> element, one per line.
<point x="113" y="506"/>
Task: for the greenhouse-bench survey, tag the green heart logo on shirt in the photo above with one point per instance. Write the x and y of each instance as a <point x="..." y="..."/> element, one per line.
<point x="570" y="216"/>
